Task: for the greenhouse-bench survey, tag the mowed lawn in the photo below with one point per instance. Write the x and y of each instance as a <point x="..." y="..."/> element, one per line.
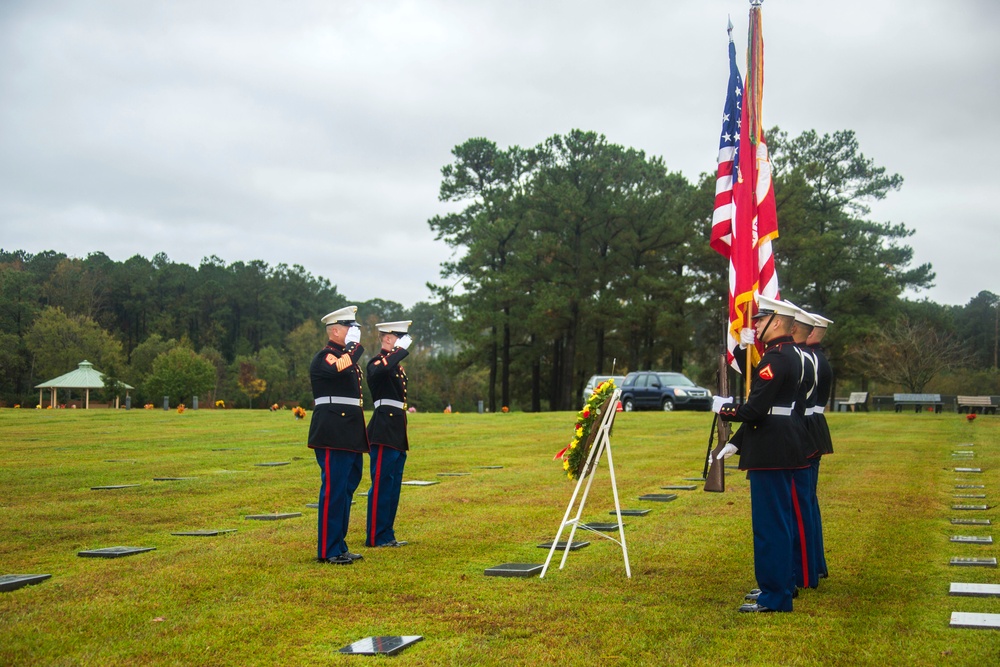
<point x="257" y="596"/>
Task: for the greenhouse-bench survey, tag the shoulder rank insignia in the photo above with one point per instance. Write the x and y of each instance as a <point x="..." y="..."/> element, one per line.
<point x="330" y="359"/>
<point x="378" y="362"/>
<point x="766" y="373"/>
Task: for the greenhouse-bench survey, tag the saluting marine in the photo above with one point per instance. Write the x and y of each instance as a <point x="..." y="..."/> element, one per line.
<point x="770" y="448"/>
<point x="337" y="431"/>
<point x="387" y="432"/>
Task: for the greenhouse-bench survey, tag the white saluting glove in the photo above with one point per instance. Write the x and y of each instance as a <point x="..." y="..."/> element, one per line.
<point x="719" y="401"/>
<point x="726" y="451"/>
<point x="746" y="338"/>
<point x="404" y="341"/>
<point x="353" y="336"/>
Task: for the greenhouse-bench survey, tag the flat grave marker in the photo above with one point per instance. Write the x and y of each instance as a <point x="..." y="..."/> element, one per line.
<point x="172" y="479"/>
<point x="680" y="487"/>
<point x="599" y="526"/>
<point x="109" y="487"/>
<point x="205" y="533"/>
<point x="272" y="464"/>
<point x="272" y="517"/>
<point x="561" y="546"/>
<point x="962" y="619"/>
<point x="968" y="469"/>
<point x="11" y="582"/>
<point x="226" y="449"/>
<point x="659" y="497"/>
<point x="969" y="495"/>
<point x="971" y="522"/>
<point x="514" y="570"/>
<point x="694" y="479"/>
<point x="489" y="467"/>
<point x="969" y="507"/>
<point x="970" y="486"/>
<point x="419" y="482"/>
<point x="119" y="461"/>
<point x="972" y="539"/>
<point x="454" y="474"/>
<point x="384" y="645"/>
<point x="975" y="590"/>
<point x="631" y="512"/>
<point x="973" y="562"/>
<point x="114" y="552"/>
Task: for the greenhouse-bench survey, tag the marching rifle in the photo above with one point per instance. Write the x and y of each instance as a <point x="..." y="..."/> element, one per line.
<point x="714" y="473"/>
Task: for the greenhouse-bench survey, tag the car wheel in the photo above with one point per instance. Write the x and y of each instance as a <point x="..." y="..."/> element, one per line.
<point x="627" y="405"/>
<point x="668" y="405"/>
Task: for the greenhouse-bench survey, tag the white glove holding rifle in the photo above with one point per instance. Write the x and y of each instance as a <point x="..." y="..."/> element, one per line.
<point x="719" y="401"/>
<point x="726" y="451"/>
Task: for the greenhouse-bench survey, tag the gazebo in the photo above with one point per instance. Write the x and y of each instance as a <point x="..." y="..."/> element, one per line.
<point x="84" y="377"/>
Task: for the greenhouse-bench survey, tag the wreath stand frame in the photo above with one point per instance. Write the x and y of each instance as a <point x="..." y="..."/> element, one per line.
<point x="602" y="444"/>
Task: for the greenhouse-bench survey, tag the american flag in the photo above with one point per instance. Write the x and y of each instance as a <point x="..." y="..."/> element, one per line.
<point x="744" y="220"/>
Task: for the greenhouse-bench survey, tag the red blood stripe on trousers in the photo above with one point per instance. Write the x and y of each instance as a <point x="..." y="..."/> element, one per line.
<point x="378" y="474"/>
<point x="326" y="503"/>
<point x="802" y="536"/>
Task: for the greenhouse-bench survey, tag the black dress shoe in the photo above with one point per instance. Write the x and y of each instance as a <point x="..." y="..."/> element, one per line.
<point x="755" y="593"/>
<point x="393" y="543"/>
<point x="348" y="554"/>
<point x="822" y="575"/>
<point x="754" y="608"/>
<point x="337" y="560"/>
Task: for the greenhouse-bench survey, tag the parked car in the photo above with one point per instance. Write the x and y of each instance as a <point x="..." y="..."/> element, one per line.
<point x="656" y="390"/>
<point x="598" y="379"/>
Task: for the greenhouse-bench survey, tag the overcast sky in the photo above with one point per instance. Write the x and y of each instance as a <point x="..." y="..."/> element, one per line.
<point x="314" y="132"/>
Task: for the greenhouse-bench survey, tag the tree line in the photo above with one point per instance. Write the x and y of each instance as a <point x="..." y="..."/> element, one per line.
<point x="573" y="257"/>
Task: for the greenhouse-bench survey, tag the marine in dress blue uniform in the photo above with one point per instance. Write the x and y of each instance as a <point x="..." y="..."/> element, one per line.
<point x="770" y="445"/>
<point x="387" y="432"/>
<point x="337" y="432"/>
<point x="818" y="425"/>
<point x="804" y="540"/>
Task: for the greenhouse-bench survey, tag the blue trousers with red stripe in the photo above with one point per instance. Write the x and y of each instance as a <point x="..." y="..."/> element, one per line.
<point x="804" y="528"/>
<point x="773" y="518"/>
<point x="340" y="474"/>
<point x="383" y="499"/>
<point x="818" y="521"/>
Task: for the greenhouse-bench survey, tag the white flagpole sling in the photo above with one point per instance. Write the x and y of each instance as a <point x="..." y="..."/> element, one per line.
<point x="602" y="443"/>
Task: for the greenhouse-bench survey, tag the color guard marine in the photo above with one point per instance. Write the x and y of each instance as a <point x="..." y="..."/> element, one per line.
<point x="387" y="432"/>
<point x="818" y="425"/>
<point x="337" y="432"/>
<point x="770" y="444"/>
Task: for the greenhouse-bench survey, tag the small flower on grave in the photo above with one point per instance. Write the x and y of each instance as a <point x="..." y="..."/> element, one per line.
<point x="505" y="409"/>
<point x="274" y="407"/>
<point x="38" y="407"/>
<point x="180" y="409"/>
<point x="148" y="406"/>
<point x="220" y="404"/>
<point x="48" y="407"/>
<point x="971" y="417"/>
<point x="17" y="406"/>
<point x="299" y="412"/>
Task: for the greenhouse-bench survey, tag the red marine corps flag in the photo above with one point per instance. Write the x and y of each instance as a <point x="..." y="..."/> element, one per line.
<point x="745" y="220"/>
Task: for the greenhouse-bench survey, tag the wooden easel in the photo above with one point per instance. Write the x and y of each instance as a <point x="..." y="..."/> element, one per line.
<point x="601" y="444"/>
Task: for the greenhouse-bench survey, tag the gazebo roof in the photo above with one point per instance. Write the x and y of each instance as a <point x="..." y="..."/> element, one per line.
<point x="84" y="377"/>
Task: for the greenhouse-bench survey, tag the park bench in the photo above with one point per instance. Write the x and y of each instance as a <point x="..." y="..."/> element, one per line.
<point x="981" y="404"/>
<point x="858" y="400"/>
<point x="918" y="401"/>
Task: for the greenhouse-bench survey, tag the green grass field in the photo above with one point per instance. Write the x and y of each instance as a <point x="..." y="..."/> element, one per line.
<point x="257" y="597"/>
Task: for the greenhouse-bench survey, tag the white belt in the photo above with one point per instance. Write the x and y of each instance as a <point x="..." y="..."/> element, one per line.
<point x="391" y="403"/>
<point x="778" y="410"/>
<point x="810" y="411"/>
<point x="819" y="409"/>
<point x="339" y="400"/>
